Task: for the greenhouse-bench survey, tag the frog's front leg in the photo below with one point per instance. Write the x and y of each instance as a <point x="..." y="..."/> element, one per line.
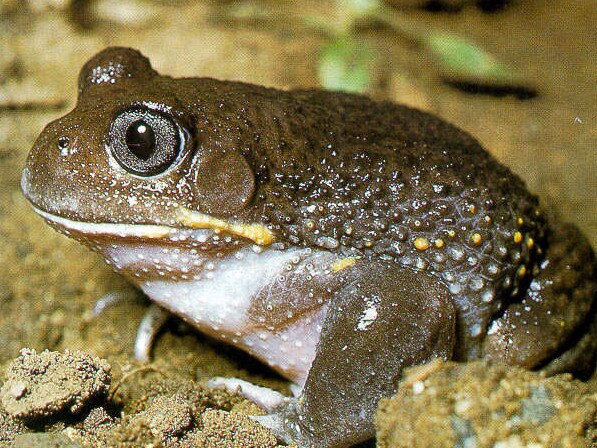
<point x="154" y="319"/>
<point x="385" y="319"/>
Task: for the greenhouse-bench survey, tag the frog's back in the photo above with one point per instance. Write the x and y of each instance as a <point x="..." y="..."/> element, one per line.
<point x="344" y="173"/>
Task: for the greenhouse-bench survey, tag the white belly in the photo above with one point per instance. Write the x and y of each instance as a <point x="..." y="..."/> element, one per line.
<point x="218" y="304"/>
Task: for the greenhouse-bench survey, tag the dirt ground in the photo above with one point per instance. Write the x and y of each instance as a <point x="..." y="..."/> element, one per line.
<point x="49" y="284"/>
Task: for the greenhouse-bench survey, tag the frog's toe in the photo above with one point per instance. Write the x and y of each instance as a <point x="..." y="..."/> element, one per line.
<point x="154" y="319"/>
<point x="282" y="418"/>
<point x="263" y="397"/>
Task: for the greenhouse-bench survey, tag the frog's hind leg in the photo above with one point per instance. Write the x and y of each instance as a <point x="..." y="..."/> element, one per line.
<point x="580" y="357"/>
<point x="555" y="325"/>
<point x="389" y="318"/>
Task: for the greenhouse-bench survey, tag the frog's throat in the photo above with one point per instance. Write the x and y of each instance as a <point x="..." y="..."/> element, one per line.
<point x="185" y="218"/>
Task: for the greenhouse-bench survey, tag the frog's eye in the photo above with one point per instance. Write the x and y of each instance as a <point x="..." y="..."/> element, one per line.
<point x="145" y="142"/>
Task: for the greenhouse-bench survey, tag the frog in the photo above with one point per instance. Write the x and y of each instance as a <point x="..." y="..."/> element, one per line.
<point x="336" y="238"/>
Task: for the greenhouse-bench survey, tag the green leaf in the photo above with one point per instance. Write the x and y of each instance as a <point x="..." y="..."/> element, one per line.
<point x="345" y="64"/>
<point x="463" y="59"/>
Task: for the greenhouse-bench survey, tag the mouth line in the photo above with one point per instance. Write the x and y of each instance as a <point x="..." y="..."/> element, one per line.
<point x="148" y="231"/>
<point x="193" y="224"/>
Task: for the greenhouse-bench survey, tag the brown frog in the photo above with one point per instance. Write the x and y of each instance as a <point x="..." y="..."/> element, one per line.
<point x="336" y="238"/>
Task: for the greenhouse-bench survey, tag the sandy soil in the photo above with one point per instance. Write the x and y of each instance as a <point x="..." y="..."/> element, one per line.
<point x="448" y="405"/>
<point x="49" y="284"/>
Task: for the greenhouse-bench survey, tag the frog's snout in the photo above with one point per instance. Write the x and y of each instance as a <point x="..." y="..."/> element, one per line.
<point x="51" y="170"/>
<point x="36" y="173"/>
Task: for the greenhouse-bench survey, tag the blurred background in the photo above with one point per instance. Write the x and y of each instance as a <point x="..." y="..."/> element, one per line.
<point x="519" y="75"/>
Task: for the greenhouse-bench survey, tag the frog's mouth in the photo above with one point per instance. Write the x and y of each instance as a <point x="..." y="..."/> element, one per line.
<point x="188" y="225"/>
<point x="144" y="231"/>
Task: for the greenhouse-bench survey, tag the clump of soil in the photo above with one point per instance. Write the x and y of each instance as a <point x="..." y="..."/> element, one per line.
<point x="483" y="405"/>
<point x="180" y="413"/>
<point x="43" y="385"/>
<point x="241" y="431"/>
<point x="44" y="440"/>
<point x="9" y="429"/>
<point x="66" y="396"/>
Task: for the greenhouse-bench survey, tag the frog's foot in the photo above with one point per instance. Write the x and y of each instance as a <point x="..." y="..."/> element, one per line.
<point x="282" y="410"/>
<point x="263" y="397"/>
<point x="154" y="319"/>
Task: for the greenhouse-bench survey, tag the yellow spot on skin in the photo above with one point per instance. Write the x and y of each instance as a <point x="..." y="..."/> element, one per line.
<point x="472" y="209"/>
<point x="522" y="271"/>
<point x="517" y="237"/>
<point x="530" y="242"/>
<point x="487" y="219"/>
<point x="368" y="243"/>
<point x="255" y="232"/>
<point x="520" y="221"/>
<point x="476" y="238"/>
<point x="421" y="243"/>
<point x="343" y="263"/>
<point x="439" y="243"/>
<point x="451" y="233"/>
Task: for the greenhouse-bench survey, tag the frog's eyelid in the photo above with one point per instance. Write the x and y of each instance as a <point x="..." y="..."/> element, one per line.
<point x="166" y="110"/>
<point x="161" y="107"/>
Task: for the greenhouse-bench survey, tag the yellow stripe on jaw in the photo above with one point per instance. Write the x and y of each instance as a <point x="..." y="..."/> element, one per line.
<point x="255" y="232"/>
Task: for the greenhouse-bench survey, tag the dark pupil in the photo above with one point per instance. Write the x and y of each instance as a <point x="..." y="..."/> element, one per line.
<point x="140" y="139"/>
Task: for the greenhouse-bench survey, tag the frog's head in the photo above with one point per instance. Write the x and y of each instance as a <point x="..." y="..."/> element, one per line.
<point x="142" y="156"/>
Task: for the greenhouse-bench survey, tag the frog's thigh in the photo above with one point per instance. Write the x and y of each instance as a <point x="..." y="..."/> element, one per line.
<point x="554" y="326"/>
<point x="389" y="318"/>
